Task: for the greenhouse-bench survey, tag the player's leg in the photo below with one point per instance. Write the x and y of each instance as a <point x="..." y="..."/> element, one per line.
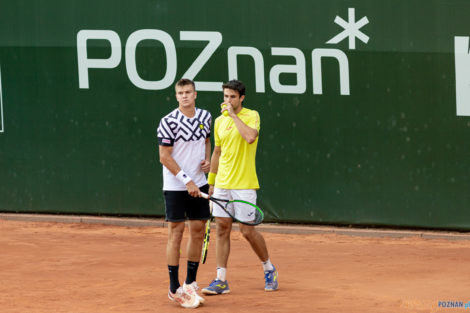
<point x="222" y="248"/>
<point x="198" y="213"/>
<point x="222" y="251"/>
<point x="258" y="245"/>
<point x="256" y="240"/>
<point x="196" y="237"/>
<point x="175" y="215"/>
<point x="175" y="235"/>
<point x="176" y="292"/>
<point x="249" y="232"/>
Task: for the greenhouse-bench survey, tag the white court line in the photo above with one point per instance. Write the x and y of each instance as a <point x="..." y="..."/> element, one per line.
<point x="1" y="103"/>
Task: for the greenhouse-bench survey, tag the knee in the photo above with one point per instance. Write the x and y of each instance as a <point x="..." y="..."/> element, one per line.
<point x="175" y="237"/>
<point x="175" y="234"/>
<point x="223" y="229"/>
<point x="248" y="232"/>
<point x="197" y="234"/>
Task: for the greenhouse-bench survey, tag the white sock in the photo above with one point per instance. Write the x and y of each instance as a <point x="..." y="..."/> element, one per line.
<point x="221" y="273"/>
<point x="267" y="266"/>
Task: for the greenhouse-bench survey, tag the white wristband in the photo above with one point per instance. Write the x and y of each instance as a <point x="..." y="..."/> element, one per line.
<point x="183" y="177"/>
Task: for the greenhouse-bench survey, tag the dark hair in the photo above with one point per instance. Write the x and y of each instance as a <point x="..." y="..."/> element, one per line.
<point x="235" y="85"/>
<point x="183" y="82"/>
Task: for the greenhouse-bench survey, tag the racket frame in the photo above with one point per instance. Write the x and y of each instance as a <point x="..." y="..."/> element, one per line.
<point x="205" y="243"/>
<point x="227" y="202"/>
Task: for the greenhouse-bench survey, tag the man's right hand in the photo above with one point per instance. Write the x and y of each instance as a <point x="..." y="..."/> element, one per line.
<point x="227" y="106"/>
<point x="211" y="190"/>
<point x="193" y="190"/>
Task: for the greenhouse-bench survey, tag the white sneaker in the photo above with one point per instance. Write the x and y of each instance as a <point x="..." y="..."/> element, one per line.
<point x="192" y="289"/>
<point x="185" y="300"/>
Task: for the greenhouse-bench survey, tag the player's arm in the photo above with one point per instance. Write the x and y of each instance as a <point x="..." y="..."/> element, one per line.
<point x="167" y="160"/>
<point x="206" y="163"/>
<point x="214" y="168"/>
<point x="248" y="133"/>
<point x="215" y="159"/>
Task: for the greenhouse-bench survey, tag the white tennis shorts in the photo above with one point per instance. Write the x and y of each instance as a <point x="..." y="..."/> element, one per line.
<point x="240" y="211"/>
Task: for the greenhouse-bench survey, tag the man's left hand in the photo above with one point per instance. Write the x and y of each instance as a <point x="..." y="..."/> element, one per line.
<point x="206" y="166"/>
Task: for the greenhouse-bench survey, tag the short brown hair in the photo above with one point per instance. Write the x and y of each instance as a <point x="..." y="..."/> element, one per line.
<point x="235" y="85"/>
<point x="183" y="82"/>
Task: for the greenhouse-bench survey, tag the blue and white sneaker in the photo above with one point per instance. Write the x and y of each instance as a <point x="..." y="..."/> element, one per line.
<point x="270" y="278"/>
<point x="217" y="287"/>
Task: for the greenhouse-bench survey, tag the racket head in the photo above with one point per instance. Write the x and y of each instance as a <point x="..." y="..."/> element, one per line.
<point x="255" y="215"/>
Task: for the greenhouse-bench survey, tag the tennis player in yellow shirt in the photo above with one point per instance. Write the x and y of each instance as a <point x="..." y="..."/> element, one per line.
<point x="233" y="176"/>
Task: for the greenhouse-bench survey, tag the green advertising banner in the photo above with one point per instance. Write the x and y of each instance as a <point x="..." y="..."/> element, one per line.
<point x="364" y="105"/>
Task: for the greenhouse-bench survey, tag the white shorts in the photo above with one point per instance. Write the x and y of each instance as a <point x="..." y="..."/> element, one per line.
<point x="240" y="211"/>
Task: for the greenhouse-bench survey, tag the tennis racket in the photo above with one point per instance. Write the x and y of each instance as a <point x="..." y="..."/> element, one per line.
<point x="207" y="236"/>
<point x="253" y="215"/>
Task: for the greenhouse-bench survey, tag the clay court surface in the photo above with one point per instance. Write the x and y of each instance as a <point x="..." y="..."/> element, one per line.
<point x="83" y="268"/>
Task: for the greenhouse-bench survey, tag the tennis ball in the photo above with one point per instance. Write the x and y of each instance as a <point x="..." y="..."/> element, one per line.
<point x="225" y="113"/>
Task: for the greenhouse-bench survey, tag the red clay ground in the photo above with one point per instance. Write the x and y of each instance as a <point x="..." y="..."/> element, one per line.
<point x="81" y="268"/>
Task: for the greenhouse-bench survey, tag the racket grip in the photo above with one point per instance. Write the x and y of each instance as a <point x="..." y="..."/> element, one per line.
<point x="205" y="195"/>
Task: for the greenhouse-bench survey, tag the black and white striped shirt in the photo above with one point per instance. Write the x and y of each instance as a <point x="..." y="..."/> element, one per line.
<point x="187" y="136"/>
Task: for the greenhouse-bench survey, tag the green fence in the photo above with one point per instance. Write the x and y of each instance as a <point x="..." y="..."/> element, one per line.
<point x="364" y="105"/>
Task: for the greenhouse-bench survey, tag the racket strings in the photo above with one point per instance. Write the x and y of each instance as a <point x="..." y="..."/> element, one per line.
<point x="259" y="217"/>
<point x="253" y="216"/>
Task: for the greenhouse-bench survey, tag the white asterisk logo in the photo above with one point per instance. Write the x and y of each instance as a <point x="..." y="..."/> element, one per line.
<point x="351" y="29"/>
